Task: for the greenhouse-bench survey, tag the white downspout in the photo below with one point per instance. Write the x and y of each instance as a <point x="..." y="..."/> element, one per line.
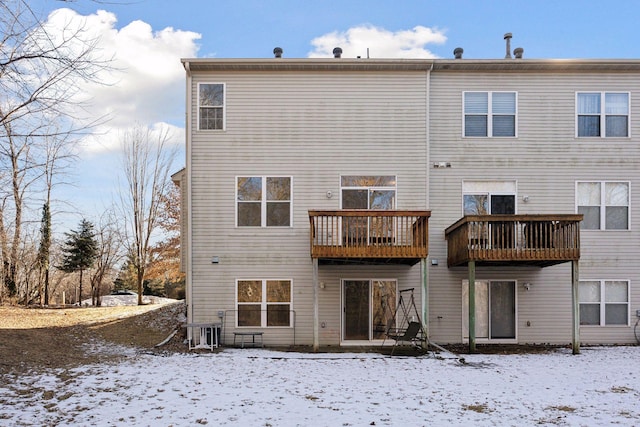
<point x="424" y="273"/>
<point x="189" y="266"/>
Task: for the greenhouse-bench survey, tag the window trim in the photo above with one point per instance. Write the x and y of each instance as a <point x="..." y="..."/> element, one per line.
<point x="602" y="114"/>
<point x="224" y="107"/>
<point x="603" y="206"/>
<point x="264" y="304"/>
<point x="263" y="202"/>
<point x="603" y="303"/>
<point x="490" y="114"/>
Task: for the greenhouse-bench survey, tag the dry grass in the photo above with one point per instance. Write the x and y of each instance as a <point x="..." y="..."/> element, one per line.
<point x="34" y="338"/>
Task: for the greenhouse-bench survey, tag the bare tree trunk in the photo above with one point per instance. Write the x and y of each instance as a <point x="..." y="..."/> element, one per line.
<point x="80" y="290"/>
<point x="147" y="162"/>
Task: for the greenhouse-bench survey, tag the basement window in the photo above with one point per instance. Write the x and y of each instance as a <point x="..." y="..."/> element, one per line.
<point x="264" y="303"/>
<point x="604" y="302"/>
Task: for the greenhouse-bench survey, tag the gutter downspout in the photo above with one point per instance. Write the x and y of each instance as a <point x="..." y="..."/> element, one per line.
<point x="187" y="128"/>
<point x="424" y="262"/>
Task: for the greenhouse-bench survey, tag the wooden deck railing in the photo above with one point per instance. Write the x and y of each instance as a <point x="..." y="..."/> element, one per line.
<point x="540" y="240"/>
<point x="388" y="235"/>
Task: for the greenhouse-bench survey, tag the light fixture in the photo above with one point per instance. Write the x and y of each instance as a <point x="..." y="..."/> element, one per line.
<point x="329" y="194"/>
<point x="526" y="286"/>
<point x="321" y="285"/>
<point x="525" y="199"/>
<point x="440" y="165"/>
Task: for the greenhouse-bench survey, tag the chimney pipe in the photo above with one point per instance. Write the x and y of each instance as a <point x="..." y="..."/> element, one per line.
<point x="277" y="52"/>
<point x="518" y="52"/>
<point x="457" y="53"/>
<point x="507" y="37"/>
<point x="337" y="52"/>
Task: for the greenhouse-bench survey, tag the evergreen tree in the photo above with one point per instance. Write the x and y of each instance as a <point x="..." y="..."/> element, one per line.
<point x="80" y="251"/>
<point x="43" y="253"/>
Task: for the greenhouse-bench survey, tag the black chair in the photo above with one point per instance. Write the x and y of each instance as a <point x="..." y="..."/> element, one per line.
<point x="408" y="335"/>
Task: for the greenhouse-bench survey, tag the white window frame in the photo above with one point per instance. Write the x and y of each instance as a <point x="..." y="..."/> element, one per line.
<point x="490" y="114"/>
<point x="264" y="201"/>
<point x="603" y="302"/>
<point x="603" y="205"/>
<point x="603" y="115"/>
<point x="223" y="107"/>
<point x="264" y="304"/>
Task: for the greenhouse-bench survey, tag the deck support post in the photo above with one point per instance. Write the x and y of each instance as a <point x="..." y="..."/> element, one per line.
<point x="425" y="297"/>
<point x="575" y="281"/>
<point x="316" y="321"/>
<point x="471" y="266"/>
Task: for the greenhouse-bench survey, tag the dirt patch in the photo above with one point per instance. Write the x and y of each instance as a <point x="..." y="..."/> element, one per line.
<point x="34" y="338"/>
<point x="504" y="348"/>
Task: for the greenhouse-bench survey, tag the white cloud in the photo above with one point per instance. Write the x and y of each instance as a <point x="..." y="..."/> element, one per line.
<point x="380" y="42"/>
<point x="145" y="83"/>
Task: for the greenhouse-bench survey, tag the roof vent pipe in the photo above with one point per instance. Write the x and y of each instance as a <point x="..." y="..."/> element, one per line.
<point x="507" y="37"/>
<point x="457" y="52"/>
<point x="337" y="52"/>
<point x="517" y="52"/>
<point x="277" y="52"/>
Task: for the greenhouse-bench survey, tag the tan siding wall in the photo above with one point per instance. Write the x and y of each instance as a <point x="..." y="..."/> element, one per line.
<point x="180" y="179"/>
<point x="316" y="126"/>
<point x="546" y="160"/>
<point x="313" y="126"/>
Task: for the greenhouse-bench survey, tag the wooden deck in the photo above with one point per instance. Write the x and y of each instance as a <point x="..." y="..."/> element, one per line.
<point x="538" y="240"/>
<point x="369" y="236"/>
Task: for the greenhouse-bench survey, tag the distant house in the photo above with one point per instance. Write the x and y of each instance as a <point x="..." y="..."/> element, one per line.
<point x="318" y="191"/>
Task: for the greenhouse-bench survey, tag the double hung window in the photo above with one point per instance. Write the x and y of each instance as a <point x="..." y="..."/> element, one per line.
<point x="602" y="114"/>
<point x="211" y="106"/>
<point x="490" y="114"/>
<point x="604" y="204"/>
<point x="264" y="303"/>
<point x="604" y="302"/>
<point x="263" y="201"/>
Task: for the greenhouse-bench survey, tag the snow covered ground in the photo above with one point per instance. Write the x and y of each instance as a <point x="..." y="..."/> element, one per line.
<point x="257" y="387"/>
<point x="132" y="299"/>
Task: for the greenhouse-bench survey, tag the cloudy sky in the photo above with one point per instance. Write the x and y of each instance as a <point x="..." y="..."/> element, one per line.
<point x="147" y="38"/>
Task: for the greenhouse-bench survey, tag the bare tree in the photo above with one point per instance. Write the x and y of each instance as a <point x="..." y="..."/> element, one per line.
<point x="109" y="254"/>
<point x="147" y="159"/>
<point x="40" y="77"/>
<point x="164" y="267"/>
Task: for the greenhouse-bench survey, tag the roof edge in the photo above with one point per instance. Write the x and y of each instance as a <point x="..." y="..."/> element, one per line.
<point x="436" y="65"/>
<point x="299" y="64"/>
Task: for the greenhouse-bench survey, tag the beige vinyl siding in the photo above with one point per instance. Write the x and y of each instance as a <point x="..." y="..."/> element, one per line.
<point x="180" y="179"/>
<point x="546" y="159"/>
<point x="314" y="127"/>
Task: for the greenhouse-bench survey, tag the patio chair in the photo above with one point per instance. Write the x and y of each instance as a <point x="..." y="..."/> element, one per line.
<point x="408" y="335"/>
